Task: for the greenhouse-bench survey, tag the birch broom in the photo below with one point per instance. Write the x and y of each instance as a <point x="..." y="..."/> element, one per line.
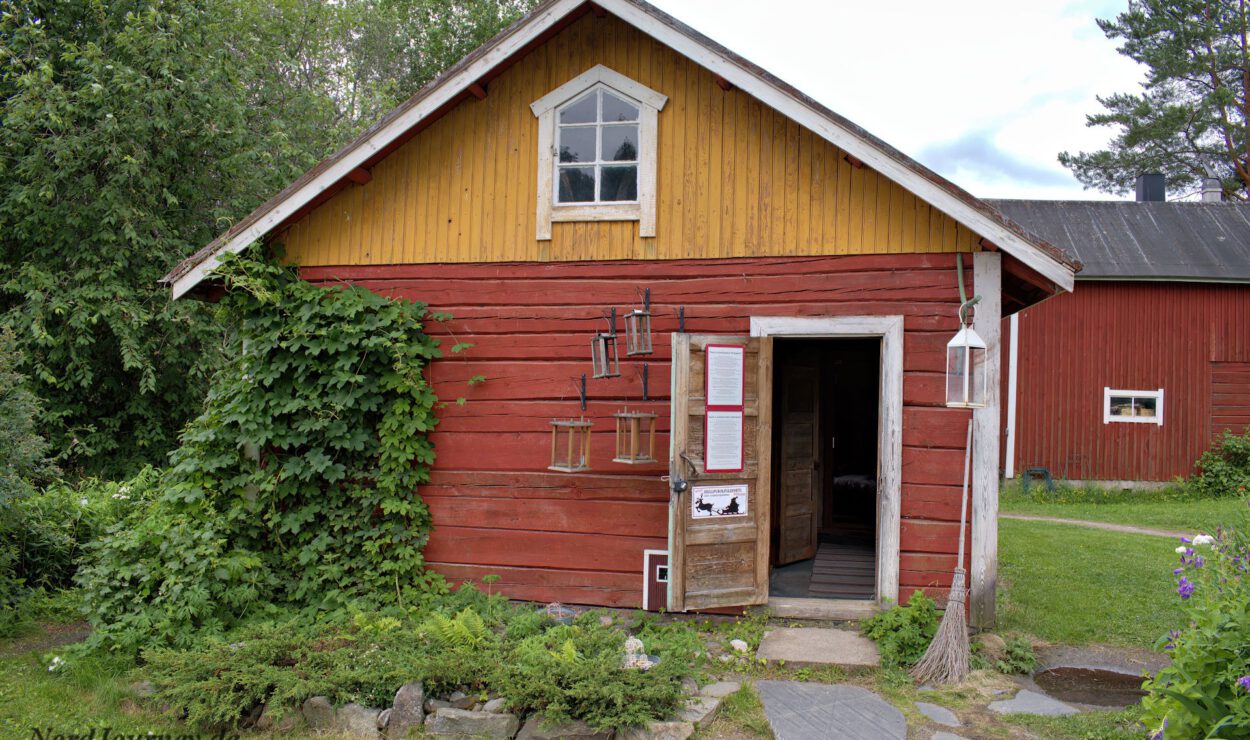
<point x="946" y="660"/>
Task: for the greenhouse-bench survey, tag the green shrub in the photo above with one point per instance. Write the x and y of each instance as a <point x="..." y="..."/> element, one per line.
<point x="1223" y="469"/>
<point x="903" y="633"/>
<point x="1205" y="690"/>
<point x="296" y="486"/>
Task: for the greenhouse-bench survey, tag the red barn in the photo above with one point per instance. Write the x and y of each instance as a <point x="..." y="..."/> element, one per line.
<point x="800" y="275"/>
<point x="1130" y="377"/>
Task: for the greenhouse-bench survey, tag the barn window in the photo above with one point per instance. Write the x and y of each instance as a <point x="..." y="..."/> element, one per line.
<point x="596" y="151"/>
<point x="1136" y="407"/>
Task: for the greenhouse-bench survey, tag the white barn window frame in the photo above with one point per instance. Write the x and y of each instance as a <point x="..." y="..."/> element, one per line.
<point x="597" y="80"/>
<point x="1132" y="406"/>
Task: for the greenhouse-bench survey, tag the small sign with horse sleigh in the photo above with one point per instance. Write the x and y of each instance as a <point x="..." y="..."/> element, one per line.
<point x="718" y="501"/>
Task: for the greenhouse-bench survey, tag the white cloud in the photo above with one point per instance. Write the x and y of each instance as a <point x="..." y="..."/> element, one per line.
<point x="932" y="77"/>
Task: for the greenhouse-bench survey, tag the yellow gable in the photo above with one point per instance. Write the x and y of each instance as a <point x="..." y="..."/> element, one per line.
<point x="734" y="178"/>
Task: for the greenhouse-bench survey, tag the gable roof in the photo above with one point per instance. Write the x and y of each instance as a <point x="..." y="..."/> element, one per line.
<point x="451" y="87"/>
<point x="1129" y="240"/>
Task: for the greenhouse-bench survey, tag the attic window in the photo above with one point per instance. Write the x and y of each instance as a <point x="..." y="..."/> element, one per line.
<point x="596" y="151"/>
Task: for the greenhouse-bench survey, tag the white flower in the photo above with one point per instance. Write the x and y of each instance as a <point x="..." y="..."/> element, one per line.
<point x="121" y="497"/>
<point x="56" y="664"/>
<point x="1181" y="550"/>
<point x="82" y="501"/>
<point x="1204" y="539"/>
<point x="124" y="490"/>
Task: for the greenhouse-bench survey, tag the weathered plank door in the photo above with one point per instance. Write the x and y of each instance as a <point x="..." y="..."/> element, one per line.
<point x="720" y="557"/>
<point x="798" y="470"/>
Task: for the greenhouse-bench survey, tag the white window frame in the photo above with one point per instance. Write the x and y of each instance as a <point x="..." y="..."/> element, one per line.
<point x="1108" y="393"/>
<point x="649" y="104"/>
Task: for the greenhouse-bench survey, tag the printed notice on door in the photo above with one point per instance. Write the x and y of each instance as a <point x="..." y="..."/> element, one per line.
<point x="723" y="443"/>
<point x="725" y="365"/>
<point x="718" y="501"/>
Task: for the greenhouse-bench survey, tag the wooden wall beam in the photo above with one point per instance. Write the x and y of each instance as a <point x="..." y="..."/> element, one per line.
<point x="854" y="161"/>
<point x="478" y="90"/>
<point x="360" y="176"/>
<point x="986" y="282"/>
<point x="724" y="84"/>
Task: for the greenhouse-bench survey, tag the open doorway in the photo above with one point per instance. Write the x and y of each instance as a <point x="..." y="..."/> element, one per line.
<point x="826" y="419"/>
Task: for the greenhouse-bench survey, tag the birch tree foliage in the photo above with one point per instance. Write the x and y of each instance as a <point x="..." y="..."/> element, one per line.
<point x="1190" y="119"/>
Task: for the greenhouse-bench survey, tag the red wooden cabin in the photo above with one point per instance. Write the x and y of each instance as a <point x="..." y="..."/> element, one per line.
<point x="1130" y="378"/>
<point x="593" y="155"/>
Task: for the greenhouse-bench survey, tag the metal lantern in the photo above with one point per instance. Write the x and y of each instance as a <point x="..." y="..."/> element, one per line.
<point x="570" y="446"/>
<point x="966" y="371"/>
<point x="634" y="429"/>
<point x="638" y="328"/>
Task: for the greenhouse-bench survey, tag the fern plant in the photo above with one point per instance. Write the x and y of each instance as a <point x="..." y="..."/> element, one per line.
<point x="465" y="631"/>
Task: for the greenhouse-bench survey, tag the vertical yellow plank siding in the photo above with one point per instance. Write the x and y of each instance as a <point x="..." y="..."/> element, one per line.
<point x="734" y="179"/>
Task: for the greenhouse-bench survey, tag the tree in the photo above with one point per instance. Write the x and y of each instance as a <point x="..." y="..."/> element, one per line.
<point x="1191" y="119"/>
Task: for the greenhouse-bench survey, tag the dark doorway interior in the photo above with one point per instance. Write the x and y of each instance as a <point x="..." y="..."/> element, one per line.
<point x="825" y="457"/>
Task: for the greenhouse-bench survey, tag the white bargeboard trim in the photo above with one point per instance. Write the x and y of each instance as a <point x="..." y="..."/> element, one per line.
<point x="890" y="424"/>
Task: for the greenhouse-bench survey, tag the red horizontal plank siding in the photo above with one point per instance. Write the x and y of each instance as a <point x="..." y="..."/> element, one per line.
<point x="579" y="538"/>
<point x="1132" y="336"/>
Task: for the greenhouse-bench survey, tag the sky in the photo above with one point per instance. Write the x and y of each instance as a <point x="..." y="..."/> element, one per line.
<point x="984" y="92"/>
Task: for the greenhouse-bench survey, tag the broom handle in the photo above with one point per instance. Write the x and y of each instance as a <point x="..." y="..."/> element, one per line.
<point x="963" y="504"/>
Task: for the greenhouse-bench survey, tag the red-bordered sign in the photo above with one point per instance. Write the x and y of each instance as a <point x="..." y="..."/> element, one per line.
<point x="724" y="374"/>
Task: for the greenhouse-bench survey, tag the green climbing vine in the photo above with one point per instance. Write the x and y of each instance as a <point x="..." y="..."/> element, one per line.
<point x="297" y="485"/>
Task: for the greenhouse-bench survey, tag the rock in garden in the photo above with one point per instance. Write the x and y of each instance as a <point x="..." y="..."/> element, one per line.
<point x="739" y="645"/>
<point x="407" y="711"/>
<point x="939" y="714"/>
<point x="143" y="689"/>
<point x="658" y="731"/>
<point x="461" y="700"/>
<point x="496" y="706"/>
<point x="992" y="646"/>
<point x="720" y="689"/>
<point x="318" y="713"/>
<point x="534" y="730"/>
<point x="1031" y="702"/>
<point x="433" y="705"/>
<point x="270" y="722"/>
<point x="354" y="720"/>
<point x="699" y="710"/>
<point x="451" y="722"/>
<point x="690" y="686"/>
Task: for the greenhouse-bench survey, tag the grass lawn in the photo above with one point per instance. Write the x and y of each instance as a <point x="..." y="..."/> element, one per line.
<point x="1194" y="516"/>
<point x="1069" y="584"/>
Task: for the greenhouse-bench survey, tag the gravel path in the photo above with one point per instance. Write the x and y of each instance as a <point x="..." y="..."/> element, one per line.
<point x="1130" y="529"/>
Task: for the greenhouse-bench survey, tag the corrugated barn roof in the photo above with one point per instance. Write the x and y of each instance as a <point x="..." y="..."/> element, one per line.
<point x="1130" y="240"/>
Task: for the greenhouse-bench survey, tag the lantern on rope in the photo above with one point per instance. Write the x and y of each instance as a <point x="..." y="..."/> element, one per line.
<point x="638" y="328"/>
<point x="966" y="369"/>
<point x="604" y="360"/>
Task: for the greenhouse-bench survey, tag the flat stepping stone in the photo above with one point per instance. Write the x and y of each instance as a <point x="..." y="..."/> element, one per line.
<point x="943" y="735"/>
<point x="720" y="689"/>
<point x="699" y="710"/>
<point x="1031" y="702"/>
<point x="803" y="711"/>
<point x="939" y="714"/>
<point x="814" y="646"/>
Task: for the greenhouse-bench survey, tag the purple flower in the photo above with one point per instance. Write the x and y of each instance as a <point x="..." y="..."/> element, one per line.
<point x="1198" y="561"/>
<point x="1244" y="682"/>
<point x="1173" y="635"/>
<point x="1185" y="540"/>
<point x="1178" y="571"/>
<point x="1158" y="735"/>
<point x="1184" y="588"/>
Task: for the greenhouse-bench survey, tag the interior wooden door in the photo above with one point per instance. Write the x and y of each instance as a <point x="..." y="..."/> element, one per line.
<point x="798" y="470"/>
<point x="719" y="521"/>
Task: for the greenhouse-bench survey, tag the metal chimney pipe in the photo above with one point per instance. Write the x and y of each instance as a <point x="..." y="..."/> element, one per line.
<point x="1212" y="190"/>
<point x="1151" y="188"/>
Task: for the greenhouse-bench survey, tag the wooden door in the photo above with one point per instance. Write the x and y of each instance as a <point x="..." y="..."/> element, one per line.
<point x="718" y="544"/>
<point x="798" y="470"/>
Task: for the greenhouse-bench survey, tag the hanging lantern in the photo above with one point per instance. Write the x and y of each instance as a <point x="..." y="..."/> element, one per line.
<point x="635" y="437"/>
<point x="638" y="328"/>
<point x="604" y="359"/>
<point x="570" y="446"/>
<point x="966" y="375"/>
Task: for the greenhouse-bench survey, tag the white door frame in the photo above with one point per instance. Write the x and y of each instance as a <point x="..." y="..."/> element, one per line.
<point x="889" y="445"/>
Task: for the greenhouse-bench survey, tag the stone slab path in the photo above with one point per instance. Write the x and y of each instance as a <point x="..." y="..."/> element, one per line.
<point x="1108" y="526"/>
<point x="1031" y="702"/>
<point x="816" y="646"/>
<point x="809" y="711"/>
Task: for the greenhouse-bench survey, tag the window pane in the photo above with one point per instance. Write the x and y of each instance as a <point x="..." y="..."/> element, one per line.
<point x="615" y="109"/>
<point x="1121" y="406"/>
<point x="620" y="143"/>
<point x="619" y="183"/>
<point x="577" y="184"/>
<point x="1145" y="406"/>
<point x="581" y="111"/>
<point x="577" y="144"/>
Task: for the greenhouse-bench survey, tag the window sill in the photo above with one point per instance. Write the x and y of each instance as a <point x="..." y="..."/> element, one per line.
<point x="597" y="212"/>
